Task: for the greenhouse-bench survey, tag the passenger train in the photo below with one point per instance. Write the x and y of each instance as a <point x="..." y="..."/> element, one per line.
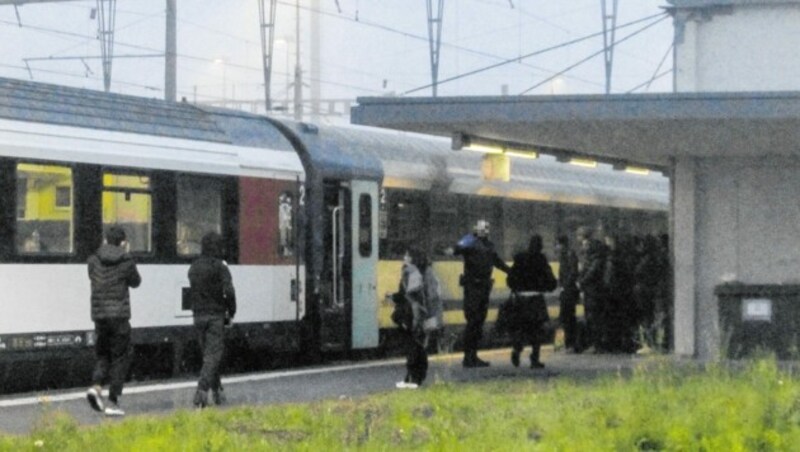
<point x="316" y="220"/>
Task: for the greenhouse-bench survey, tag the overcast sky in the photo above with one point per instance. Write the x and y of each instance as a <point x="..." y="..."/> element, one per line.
<point x="371" y="47"/>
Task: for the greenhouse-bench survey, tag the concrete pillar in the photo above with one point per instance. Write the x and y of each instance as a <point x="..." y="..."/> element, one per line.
<point x="684" y="207"/>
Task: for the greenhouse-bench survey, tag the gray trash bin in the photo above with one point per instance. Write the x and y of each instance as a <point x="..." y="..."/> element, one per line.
<point x="760" y="317"/>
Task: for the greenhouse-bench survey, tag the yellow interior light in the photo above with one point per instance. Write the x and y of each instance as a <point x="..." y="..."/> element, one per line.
<point x="522" y="154"/>
<point x="484" y="148"/>
<point x="583" y="162"/>
<point x="637" y="170"/>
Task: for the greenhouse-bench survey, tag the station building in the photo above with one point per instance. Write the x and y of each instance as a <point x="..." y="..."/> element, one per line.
<point x="728" y="137"/>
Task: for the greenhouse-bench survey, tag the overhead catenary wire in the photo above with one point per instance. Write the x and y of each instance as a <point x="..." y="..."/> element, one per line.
<point x="417" y="37"/>
<point x="658" y="68"/>
<point x="651" y="80"/>
<point x="184" y="56"/>
<point x="346" y="17"/>
<point x="664" y="17"/>
<point x="531" y="54"/>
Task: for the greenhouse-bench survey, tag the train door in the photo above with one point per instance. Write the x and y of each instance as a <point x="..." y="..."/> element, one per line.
<point x="365" y="261"/>
<point x="348" y="313"/>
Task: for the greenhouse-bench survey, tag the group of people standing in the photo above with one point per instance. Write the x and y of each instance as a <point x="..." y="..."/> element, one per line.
<point x="112" y="272"/>
<point x="625" y="288"/>
<point x="418" y="301"/>
<point x="623" y="285"/>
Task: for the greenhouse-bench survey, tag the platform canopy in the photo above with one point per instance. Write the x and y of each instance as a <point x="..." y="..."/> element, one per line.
<point x="635" y="128"/>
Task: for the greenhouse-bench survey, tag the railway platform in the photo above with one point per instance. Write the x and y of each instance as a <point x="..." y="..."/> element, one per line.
<point x="19" y="413"/>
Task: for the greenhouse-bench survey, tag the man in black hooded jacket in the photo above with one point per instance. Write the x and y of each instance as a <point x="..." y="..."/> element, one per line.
<point x="213" y="305"/>
<point x="111" y="272"/>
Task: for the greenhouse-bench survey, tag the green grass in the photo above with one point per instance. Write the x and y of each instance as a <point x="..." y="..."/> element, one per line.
<point x="660" y="407"/>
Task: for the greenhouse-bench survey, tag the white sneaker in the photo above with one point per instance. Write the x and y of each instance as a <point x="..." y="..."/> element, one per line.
<point x="95" y="397"/>
<point x="113" y="410"/>
<point x="406" y="385"/>
<point x="412" y="386"/>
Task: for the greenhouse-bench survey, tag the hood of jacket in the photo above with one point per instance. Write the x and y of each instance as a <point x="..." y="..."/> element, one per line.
<point x="111" y="254"/>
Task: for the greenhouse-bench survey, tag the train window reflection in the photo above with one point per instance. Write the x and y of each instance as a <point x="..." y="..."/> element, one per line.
<point x="365" y="225"/>
<point x="127" y="202"/>
<point x="45" y="218"/>
<point x="199" y="212"/>
<point x="285" y="224"/>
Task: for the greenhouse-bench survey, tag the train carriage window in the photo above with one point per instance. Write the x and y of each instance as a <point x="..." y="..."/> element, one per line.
<point x="406" y="223"/>
<point x="285" y="224"/>
<point x="199" y="212"/>
<point x="128" y="202"/>
<point x="45" y="218"/>
<point x="365" y="225"/>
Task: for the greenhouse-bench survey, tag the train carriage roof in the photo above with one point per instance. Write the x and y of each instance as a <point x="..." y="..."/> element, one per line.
<point x="337" y="153"/>
<point x="144" y="132"/>
<point x="423" y="162"/>
<point x="60" y="105"/>
<point x="546" y="179"/>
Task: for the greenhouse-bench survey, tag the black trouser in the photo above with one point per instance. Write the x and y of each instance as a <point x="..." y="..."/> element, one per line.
<point x="593" y="313"/>
<point x="416" y="358"/>
<point x="476" y="306"/>
<point x="113" y="352"/>
<point x="568" y="300"/>
<point x="211" y="336"/>
<point x="529" y="327"/>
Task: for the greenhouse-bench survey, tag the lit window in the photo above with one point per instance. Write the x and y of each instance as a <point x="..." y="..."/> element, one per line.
<point x="127" y="202"/>
<point x="45" y="222"/>
<point x="199" y="212"/>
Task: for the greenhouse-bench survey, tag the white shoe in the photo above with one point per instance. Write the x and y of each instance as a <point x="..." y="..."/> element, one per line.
<point x="113" y="410"/>
<point x="95" y="397"/>
<point x="405" y="385"/>
<point x="412" y="386"/>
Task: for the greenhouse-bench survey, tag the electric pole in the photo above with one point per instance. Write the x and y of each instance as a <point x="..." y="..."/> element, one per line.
<point x="435" y="40"/>
<point x="267" y="20"/>
<point x="298" y="70"/>
<point x="171" y="54"/>
<point x="609" y="30"/>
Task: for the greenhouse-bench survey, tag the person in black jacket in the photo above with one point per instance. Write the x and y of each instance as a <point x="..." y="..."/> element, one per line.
<point x="479" y="260"/>
<point x="213" y="305"/>
<point x="591" y="283"/>
<point x="570" y="295"/>
<point x="529" y="279"/>
<point x="111" y="272"/>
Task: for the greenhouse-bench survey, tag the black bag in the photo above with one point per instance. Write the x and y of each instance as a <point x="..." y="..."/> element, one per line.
<point x="403" y="314"/>
<point x="507" y="315"/>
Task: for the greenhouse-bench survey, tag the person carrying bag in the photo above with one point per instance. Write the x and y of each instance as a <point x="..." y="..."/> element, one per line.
<point x="529" y="279"/>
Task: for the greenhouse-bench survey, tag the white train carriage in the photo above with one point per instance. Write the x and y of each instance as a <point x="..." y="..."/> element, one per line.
<point x="73" y="162"/>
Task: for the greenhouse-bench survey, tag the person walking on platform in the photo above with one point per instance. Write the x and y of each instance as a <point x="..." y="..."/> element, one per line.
<point x="413" y="290"/>
<point x="530" y="277"/>
<point x="570" y="295"/>
<point x="480" y="258"/>
<point x="112" y="272"/>
<point x="213" y="301"/>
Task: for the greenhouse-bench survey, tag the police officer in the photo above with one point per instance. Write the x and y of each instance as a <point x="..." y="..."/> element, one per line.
<point x="479" y="259"/>
<point x="213" y="305"/>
